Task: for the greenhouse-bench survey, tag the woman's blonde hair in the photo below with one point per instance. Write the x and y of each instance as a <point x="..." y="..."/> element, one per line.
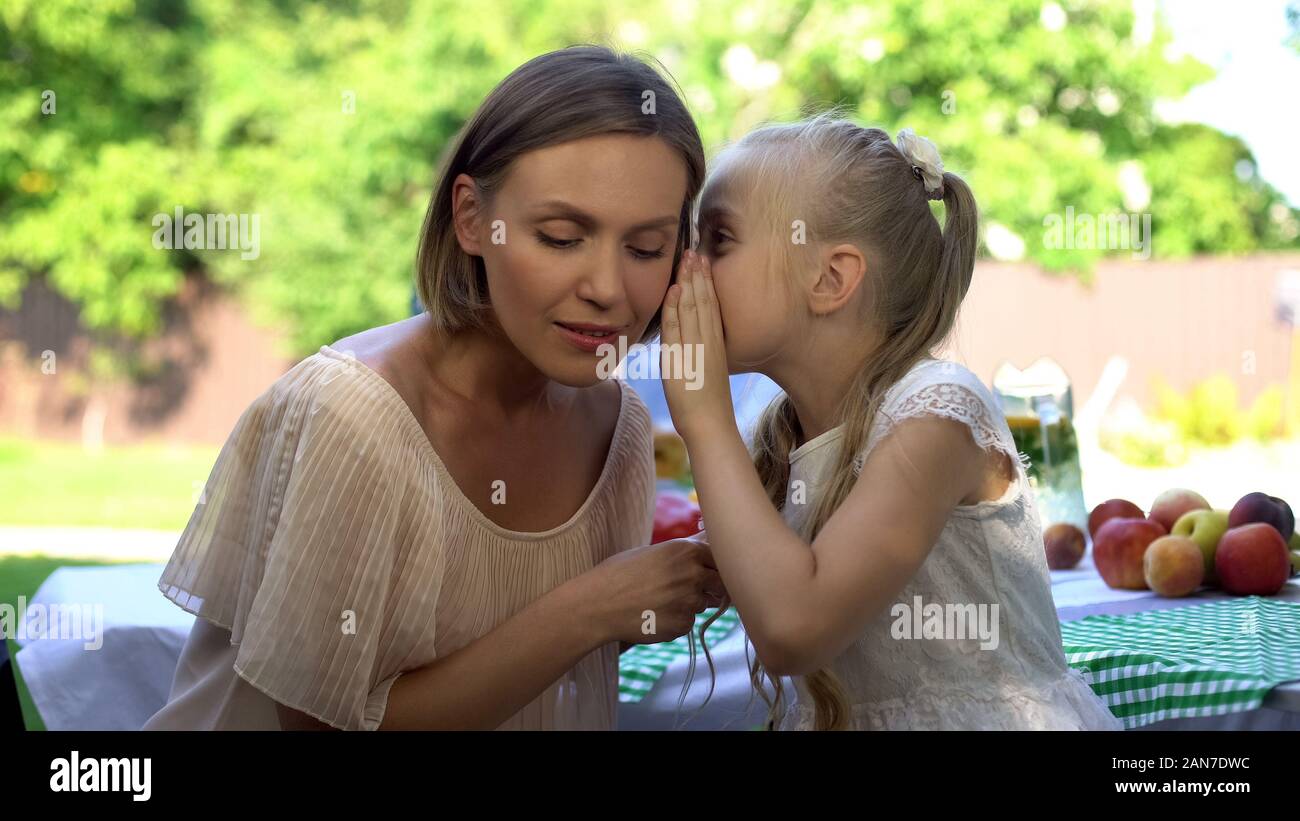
<point x="850" y="184"/>
<point x="564" y="95"/>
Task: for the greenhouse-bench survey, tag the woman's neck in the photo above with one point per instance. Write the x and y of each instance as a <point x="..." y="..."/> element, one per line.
<point x="484" y="368"/>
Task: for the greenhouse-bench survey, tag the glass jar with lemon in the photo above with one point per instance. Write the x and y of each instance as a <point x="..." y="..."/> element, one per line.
<point x="1038" y="405"/>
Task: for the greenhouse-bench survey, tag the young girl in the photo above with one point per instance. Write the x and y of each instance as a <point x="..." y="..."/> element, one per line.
<point x="880" y="542"/>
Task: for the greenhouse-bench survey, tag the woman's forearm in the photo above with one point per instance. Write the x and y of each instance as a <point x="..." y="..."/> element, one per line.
<point x="484" y="683"/>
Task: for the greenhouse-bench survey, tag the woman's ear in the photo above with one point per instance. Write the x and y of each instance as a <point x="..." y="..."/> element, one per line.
<point x="841" y="272"/>
<point x="466" y="213"/>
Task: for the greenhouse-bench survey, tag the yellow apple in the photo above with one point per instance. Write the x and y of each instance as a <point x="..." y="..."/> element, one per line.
<point x="1205" y="527"/>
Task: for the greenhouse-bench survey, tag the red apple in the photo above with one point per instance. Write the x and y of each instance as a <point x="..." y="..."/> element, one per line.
<point x="1173" y="566"/>
<point x="1171" y="504"/>
<point x="1110" y="509"/>
<point x="1260" y="507"/>
<point x="1064" y="545"/>
<point x="1119" y="548"/>
<point x="1252" y="560"/>
<point x="676" y="517"/>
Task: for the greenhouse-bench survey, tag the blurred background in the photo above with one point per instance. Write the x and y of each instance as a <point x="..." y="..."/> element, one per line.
<point x="1135" y="161"/>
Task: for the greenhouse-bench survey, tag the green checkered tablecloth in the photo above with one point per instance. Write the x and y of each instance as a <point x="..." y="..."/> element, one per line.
<point x="641" y="666"/>
<point x="1199" y="660"/>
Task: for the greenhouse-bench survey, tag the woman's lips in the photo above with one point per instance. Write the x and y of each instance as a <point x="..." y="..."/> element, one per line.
<point x="585" y="341"/>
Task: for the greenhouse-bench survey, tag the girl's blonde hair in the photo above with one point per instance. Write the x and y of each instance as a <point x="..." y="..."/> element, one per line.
<point x="850" y="184"/>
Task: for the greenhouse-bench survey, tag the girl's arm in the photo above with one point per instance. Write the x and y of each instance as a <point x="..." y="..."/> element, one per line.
<point x="803" y="605"/>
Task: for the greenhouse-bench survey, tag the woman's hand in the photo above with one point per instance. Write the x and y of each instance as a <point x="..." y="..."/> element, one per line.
<point x="651" y="594"/>
<point x="693" y="358"/>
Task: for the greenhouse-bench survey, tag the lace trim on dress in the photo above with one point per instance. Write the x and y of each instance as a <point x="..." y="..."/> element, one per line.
<point x="951" y="401"/>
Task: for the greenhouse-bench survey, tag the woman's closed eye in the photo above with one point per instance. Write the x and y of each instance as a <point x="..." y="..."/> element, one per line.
<point x="568" y="244"/>
<point x="556" y="242"/>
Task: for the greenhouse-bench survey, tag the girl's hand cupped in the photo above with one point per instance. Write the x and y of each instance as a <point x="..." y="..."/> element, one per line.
<point x="693" y="356"/>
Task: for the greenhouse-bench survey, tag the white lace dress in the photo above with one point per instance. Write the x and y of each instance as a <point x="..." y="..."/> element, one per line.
<point x="899" y="677"/>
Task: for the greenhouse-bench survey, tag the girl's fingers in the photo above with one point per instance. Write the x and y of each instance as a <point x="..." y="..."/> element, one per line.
<point x="706" y="305"/>
<point x="708" y="283"/>
<point x="670" y="325"/>
<point x="687" y="313"/>
<point x="718" y="329"/>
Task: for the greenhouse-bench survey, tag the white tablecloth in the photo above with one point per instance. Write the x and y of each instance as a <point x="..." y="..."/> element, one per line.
<point x="126" y="680"/>
<point x="123" y="682"/>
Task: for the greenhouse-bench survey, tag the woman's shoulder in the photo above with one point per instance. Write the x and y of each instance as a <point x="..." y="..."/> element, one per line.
<point x="332" y="394"/>
<point x="326" y="376"/>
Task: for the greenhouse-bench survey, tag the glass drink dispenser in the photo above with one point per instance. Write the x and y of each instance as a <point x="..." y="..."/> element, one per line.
<point x="1039" y="407"/>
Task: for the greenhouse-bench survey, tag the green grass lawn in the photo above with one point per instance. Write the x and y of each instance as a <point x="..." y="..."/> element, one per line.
<point x="59" y="485"/>
<point x="141" y="486"/>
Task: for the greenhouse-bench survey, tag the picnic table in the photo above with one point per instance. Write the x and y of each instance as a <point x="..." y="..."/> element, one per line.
<point x="1136" y="643"/>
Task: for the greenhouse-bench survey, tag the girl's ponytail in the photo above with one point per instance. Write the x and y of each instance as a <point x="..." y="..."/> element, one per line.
<point x="960" y="236"/>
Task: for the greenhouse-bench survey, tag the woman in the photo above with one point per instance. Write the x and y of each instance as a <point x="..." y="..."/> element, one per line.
<point x="426" y="525"/>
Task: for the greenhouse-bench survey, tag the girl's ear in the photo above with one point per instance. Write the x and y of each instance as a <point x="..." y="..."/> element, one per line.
<point x="841" y="271"/>
<point x="466" y="213"/>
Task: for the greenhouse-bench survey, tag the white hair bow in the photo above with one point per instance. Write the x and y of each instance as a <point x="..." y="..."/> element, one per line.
<point x="924" y="157"/>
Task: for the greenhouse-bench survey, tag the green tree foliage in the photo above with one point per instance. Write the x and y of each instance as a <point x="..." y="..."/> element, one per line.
<point x="328" y="119"/>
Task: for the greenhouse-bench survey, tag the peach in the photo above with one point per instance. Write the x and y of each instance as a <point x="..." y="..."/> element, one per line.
<point x="1119" y="549"/>
<point x="1173" y="566"/>
<point x="1252" y="560"/>
<point x="1064" y="545"/>
<point x="1171" y="504"/>
<point x="1110" y="509"/>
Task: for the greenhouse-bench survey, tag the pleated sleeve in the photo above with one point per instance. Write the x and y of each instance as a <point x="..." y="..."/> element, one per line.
<point x="316" y="543"/>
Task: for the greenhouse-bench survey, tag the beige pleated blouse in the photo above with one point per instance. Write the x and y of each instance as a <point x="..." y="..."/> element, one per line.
<point x="332" y="551"/>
